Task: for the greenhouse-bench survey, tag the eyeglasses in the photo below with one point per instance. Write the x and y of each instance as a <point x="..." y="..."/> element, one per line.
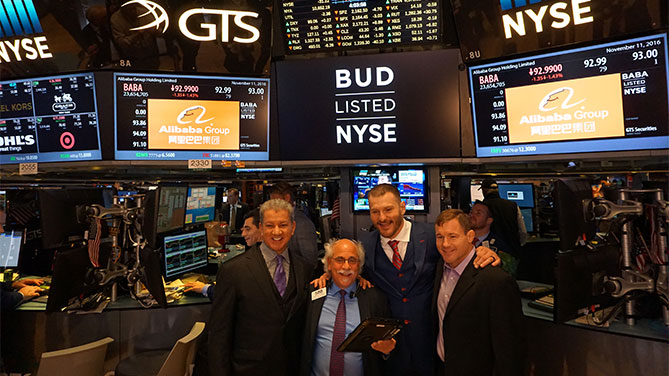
<point x="341" y="260"/>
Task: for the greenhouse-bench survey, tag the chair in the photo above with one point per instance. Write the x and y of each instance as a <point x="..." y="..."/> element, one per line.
<point x="162" y="363"/>
<point x="84" y="360"/>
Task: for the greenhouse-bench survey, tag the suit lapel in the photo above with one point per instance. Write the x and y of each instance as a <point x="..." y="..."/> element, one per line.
<point x="258" y="268"/>
<point x="437" y="282"/>
<point x="299" y="273"/>
<point x="363" y="305"/>
<point x="466" y="281"/>
<point x="371" y="263"/>
<point x="417" y="245"/>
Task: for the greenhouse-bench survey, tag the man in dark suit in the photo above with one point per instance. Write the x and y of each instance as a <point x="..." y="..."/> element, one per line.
<point x="326" y="329"/>
<point x="258" y="312"/>
<point x="233" y="210"/>
<point x="508" y="224"/>
<point x="305" y="241"/>
<point x="401" y="261"/>
<point x="478" y="311"/>
<point x="480" y="220"/>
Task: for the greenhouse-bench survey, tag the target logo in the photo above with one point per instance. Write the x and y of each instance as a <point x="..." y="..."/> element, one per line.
<point x="67" y="140"/>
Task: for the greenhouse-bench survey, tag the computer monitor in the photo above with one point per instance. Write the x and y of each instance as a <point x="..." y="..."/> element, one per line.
<point x="521" y="194"/>
<point x="62" y="214"/>
<point x="10" y="248"/>
<point x="569" y="194"/>
<point x="528" y="218"/>
<point x="185" y="252"/>
<point x="171" y="208"/>
<point x="200" y="205"/>
<point x="580" y="279"/>
<point x="410" y="182"/>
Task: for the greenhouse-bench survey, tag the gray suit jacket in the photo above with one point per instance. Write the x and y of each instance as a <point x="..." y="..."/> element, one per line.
<point x="304" y="241"/>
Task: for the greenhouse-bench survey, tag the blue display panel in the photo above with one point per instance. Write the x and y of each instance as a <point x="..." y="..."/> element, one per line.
<point x="185" y="252"/>
<point x="10" y="247"/>
<point x="528" y="218"/>
<point x="200" y="204"/>
<point x="49" y="119"/>
<point x="607" y="97"/>
<point x="521" y="194"/>
<point x="173" y="117"/>
<point x="410" y="182"/>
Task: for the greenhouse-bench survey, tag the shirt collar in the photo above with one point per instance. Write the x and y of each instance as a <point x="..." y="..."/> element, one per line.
<point x="334" y="289"/>
<point x="269" y="254"/>
<point x="480" y="238"/>
<point x="403" y="236"/>
<point x="461" y="267"/>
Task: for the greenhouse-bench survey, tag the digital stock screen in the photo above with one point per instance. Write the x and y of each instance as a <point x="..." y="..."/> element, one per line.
<point x="607" y="97"/>
<point x="171" y="117"/>
<point x="346" y="24"/>
<point x="50" y="119"/>
<point x="409" y="182"/>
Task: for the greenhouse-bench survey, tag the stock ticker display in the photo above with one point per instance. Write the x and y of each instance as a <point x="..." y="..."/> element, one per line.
<point x="605" y="97"/>
<point x="51" y="119"/>
<point x="322" y="25"/>
<point x="172" y="117"/>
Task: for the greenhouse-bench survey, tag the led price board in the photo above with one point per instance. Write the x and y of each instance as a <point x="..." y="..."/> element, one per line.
<point x="344" y="24"/>
<point x="172" y="117"/>
<point x="606" y="97"/>
<point x="50" y="119"/>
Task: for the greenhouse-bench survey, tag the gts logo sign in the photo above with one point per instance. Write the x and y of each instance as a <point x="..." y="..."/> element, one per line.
<point x="561" y="12"/>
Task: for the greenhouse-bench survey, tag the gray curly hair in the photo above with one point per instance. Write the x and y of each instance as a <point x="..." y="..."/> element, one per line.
<point x="329" y="252"/>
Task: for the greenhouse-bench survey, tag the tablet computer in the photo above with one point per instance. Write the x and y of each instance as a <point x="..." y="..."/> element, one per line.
<point x="369" y="331"/>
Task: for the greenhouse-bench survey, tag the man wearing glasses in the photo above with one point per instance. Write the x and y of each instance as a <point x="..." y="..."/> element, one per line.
<point x="334" y="312"/>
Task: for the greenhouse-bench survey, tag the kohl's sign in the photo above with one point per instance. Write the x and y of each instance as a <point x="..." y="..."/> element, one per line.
<point x="364" y="105"/>
<point x="557" y="15"/>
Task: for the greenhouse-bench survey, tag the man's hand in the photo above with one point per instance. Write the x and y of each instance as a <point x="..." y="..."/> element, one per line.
<point x="365" y="284"/>
<point x="30" y="291"/>
<point x="385" y="346"/>
<point x="194" y="286"/>
<point x="319" y="283"/>
<point x="486" y="256"/>
<point x="27" y="282"/>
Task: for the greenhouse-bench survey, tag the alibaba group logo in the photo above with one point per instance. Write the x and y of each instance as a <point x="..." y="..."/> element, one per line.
<point x="187" y="115"/>
<point x="560" y="97"/>
<point x="159" y="14"/>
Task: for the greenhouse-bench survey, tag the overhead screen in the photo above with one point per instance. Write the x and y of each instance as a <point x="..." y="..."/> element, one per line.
<point x="606" y="97"/>
<point x="39" y="37"/>
<point x="410" y="182"/>
<point x="49" y="119"/>
<point x="170" y="117"/>
<point x="310" y="26"/>
<point x="492" y="29"/>
<point x="369" y="107"/>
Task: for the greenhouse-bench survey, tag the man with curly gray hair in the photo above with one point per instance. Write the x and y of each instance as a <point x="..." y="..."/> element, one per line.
<point x="334" y="312"/>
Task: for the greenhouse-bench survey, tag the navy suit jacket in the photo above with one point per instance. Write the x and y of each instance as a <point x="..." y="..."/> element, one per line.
<point x="416" y="342"/>
<point x="371" y="303"/>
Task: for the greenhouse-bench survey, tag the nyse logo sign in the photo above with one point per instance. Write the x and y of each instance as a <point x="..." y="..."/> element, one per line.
<point x="562" y="13"/>
<point x="366" y="113"/>
<point x="19" y="21"/>
<point x="155" y="16"/>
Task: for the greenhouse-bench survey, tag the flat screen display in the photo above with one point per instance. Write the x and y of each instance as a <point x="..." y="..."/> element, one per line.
<point x="310" y="26"/>
<point x="410" y="182"/>
<point x="396" y="105"/>
<point x="170" y="117"/>
<point x="521" y="194"/>
<point x="171" y="208"/>
<point x="606" y="97"/>
<point x="528" y="218"/>
<point x="10" y="247"/>
<point x="49" y="119"/>
<point x="489" y="29"/>
<point x="185" y="252"/>
<point x="200" y="205"/>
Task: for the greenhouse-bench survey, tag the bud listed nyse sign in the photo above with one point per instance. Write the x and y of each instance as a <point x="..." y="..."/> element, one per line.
<point x="584" y="108"/>
<point x="193" y="125"/>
